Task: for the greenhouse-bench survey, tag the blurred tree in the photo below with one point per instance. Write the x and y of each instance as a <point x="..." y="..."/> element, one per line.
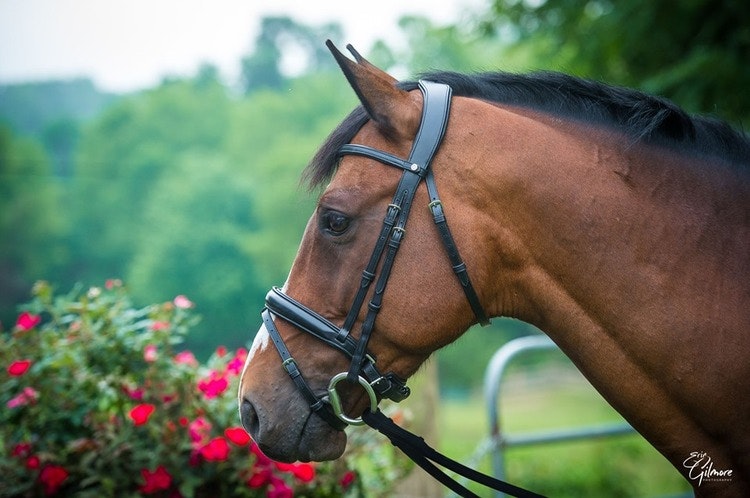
<point x="60" y="138"/>
<point x="122" y="157"/>
<point x="695" y="53"/>
<point x="197" y="224"/>
<point x="32" y="224"/>
<point x="281" y="38"/>
<point x="274" y="157"/>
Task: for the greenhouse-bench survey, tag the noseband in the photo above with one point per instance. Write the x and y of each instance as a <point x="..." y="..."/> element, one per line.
<point x="363" y="370"/>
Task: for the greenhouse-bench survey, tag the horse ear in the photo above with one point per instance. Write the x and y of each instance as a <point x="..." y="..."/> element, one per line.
<point x="392" y="109"/>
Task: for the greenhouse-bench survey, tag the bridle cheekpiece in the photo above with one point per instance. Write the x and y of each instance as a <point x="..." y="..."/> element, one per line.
<point x="363" y="370"/>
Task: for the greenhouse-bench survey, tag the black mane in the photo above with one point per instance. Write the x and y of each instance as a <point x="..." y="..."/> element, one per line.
<point x="642" y="117"/>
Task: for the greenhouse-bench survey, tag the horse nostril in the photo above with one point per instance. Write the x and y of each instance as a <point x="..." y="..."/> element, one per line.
<point x="249" y="418"/>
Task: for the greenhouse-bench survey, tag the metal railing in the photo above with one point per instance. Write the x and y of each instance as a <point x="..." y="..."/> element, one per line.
<point x="499" y="441"/>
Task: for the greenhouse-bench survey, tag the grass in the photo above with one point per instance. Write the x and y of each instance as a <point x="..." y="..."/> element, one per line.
<point x="558" y="397"/>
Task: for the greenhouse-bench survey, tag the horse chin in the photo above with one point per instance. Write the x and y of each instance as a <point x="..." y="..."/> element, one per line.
<point x="316" y="442"/>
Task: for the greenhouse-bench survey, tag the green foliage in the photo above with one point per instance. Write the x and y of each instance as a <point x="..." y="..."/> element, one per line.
<point x="30" y="107"/>
<point x="555" y="397"/>
<point x="263" y="69"/>
<point x="31" y="224"/>
<point x="694" y="52"/>
<point x="461" y="365"/>
<point x="189" y="187"/>
<point x="98" y="401"/>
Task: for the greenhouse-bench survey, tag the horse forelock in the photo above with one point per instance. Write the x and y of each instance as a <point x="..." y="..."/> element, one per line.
<point x="323" y="164"/>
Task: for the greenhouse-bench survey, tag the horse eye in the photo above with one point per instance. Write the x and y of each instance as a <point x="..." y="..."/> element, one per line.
<point x="335" y="223"/>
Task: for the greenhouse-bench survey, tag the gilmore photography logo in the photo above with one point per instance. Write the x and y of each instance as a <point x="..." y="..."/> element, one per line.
<point x="701" y="468"/>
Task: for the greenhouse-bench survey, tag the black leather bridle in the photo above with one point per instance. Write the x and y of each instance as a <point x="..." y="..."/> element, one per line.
<point x="362" y="370"/>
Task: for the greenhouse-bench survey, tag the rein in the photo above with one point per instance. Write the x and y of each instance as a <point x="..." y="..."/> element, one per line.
<point x="363" y="370"/>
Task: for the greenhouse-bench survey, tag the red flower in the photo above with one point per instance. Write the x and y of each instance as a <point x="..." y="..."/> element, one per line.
<point x="155" y="481"/>
<point x="216" y="450"/>
<point x="18" y="368"/>
<point x="32" y="462"/>
<point x="237" y="435"/>
<point x="302" y="471"/>
<point x="52" y="476"/>
<point x="21" y="450"/>
<point x="347" y="479"/>
<point x="141" y="413"/>
<point x="27" y="321"/>
<point x="259" y="479"/>
<point x="213" y="385"/>
<point x="261" y="459"/>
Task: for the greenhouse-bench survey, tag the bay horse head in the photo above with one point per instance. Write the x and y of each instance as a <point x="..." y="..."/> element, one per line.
<point x="611" y="220"/>
<point x="323" y="321"/>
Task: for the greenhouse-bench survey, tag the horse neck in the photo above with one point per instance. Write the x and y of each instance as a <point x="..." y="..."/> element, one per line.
<point x="585" y="211"/>
<point x="627" y="258"/>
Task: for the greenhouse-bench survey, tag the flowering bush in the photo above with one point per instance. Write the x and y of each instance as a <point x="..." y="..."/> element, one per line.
<point x="95" y="400"/>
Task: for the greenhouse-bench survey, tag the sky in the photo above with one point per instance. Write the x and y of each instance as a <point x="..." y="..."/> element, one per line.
<point x="126" y="45"/>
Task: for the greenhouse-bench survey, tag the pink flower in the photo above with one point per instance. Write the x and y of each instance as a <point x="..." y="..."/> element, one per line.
<point x="155" y="481"/>
<point x="221" y="351"/>
<point x="279" y="489"/>
<point x="149" y="353"/>
<point x="156" y="326"/>
<point x="28" y="395"/>
<point x="235" y="366"/>
<point x="237" y="435"/>
<point x="186" y="358"/>
<point x="141" y="413"/>
<point x="27" y="321"/>
<point x="216" y="450"/>
<point x="199" y="430"/>
<point x="213" y="385"/>
<point x="111" y="283"/>
<point x="135" y="394"/>
<point x="182" y="302"/>
<point x="19" y="367"/>
<point x="33" y="462"/>
<point x="53" y="476"/>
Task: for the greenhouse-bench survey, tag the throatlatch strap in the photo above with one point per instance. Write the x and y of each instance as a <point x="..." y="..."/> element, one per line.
<point x="424" y="455"/>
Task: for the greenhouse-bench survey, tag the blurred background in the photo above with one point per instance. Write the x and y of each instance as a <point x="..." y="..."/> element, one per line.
<point x="161" y="143"/>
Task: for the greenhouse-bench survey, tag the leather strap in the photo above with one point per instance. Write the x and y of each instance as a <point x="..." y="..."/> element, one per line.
<point x="317" y="405"/>
<point x="426" y="457"/>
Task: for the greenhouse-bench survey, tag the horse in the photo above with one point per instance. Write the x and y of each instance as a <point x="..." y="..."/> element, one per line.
<point x="612" y="220"/>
